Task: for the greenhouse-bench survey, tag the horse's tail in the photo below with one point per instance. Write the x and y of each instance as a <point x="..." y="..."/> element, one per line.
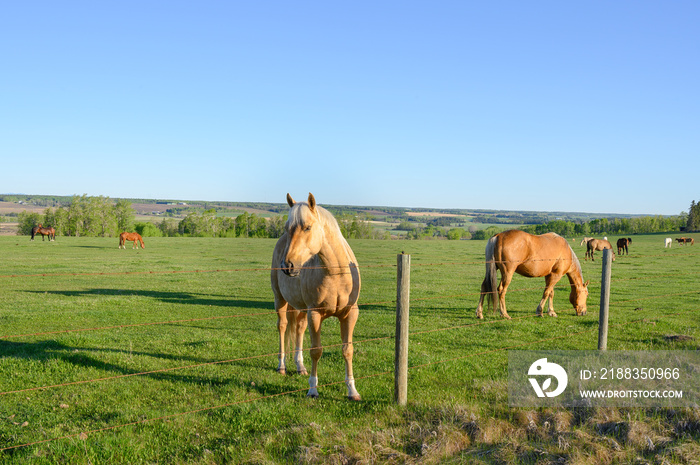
<point x="490" y="284"/>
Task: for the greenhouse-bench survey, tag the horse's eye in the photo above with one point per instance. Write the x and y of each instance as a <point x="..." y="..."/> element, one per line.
<point x="307" y="229"/>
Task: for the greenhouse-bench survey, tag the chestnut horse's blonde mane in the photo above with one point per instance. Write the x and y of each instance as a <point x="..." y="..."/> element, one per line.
<point x="574" y="259"/>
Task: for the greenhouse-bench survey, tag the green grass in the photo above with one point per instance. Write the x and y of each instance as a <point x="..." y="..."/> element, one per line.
<point x="210" y="300"/>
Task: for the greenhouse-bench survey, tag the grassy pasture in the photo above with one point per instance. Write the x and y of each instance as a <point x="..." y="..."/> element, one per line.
<point x="147" y="329"/>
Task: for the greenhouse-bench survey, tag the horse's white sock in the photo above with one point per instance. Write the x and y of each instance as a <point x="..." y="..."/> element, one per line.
<point x="352" y="392"/>
<point x="313" y="382"/>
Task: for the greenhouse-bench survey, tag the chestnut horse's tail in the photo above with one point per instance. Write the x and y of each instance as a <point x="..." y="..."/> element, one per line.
<point x="490" y="284"/>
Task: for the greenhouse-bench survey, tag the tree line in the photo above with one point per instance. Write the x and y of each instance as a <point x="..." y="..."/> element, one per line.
<point x="102" y="216"/>
<point x="614" y="226"/>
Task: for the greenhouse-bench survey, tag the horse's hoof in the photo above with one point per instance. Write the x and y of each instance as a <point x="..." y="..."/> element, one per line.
<point x="312" y="395"/>
<point x="552" y="314"/>
<point x="282" y="371"/>
<point x="356" y="398"/>
<point x="302" y="372"/>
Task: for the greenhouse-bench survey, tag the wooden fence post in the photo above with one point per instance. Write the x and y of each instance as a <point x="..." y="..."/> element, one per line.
<point x="403" y="287"/>
<point x="604" y="300"/>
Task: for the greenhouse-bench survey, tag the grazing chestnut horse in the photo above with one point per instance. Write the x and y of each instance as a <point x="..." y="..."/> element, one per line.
<point x="130" y="236"/>
<point x="597" y="244"/>
<point x="622" y="245"/>
<point x="50" y="231"/>
<point x="314" y="276"/>
<point x="548" y="255"/>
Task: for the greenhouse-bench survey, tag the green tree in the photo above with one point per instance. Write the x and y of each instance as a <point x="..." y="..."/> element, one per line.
<point x="275" y="226"/>
<point x="168" y="228"/>
<point x="486" y="233"/>
<point x="27" y="221"/>
<point x="77" y="216"/>
<point x="103" y="220"/>
<point x="124" y="215"/>
<point x="147" y="229"/>
<point x="61" y="221"/>
<point x="189" y="225"/>
<point x="693" y="222"/>
<point x="455" y="234"/>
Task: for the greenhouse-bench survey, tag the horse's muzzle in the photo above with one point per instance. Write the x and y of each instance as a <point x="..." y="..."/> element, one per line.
<point x="289" y="269"/>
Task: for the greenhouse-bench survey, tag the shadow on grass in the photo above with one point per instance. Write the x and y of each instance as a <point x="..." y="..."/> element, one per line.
<point x="89" y="358"/>
<point x="167" y="297"/>
<point x="248" y="374"/>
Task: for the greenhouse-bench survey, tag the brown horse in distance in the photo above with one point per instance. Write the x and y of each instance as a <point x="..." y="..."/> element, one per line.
<point x="548" y="255"/>
<point x="50" y="231"/>
<point x="597" y="244"/>
<point x="686" y="240"/>
<point x="622" y="245"/>
<point x="130" y="236"/>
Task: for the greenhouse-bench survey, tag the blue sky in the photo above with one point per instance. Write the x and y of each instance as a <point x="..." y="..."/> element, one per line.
<point x="544" y="106"/>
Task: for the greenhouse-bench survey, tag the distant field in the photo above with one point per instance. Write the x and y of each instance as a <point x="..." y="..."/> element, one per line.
<point x="167" y="355"/>
<point x="13" y="207"/>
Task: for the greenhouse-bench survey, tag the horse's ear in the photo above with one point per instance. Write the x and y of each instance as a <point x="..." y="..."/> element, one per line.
<point x="312" y="202"/>
<point x="290" y="200"/>
<point x="586" y="284"/>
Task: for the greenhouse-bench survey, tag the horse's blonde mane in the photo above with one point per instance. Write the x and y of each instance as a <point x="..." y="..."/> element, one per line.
<point x="296" y="216"/>
<point x="574" y="258"/>
<point x="576" y="261"/>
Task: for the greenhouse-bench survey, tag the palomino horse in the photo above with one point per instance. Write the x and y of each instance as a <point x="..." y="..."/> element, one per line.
<point x="585" y="239"/>
<point x="548" y="255"/>
<point x="50" y="231"/>
<point x="314" y="276"/>
<point x="622" y="245"/>
<point x="597" y="244"/>
<point x="130" y="236"/>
